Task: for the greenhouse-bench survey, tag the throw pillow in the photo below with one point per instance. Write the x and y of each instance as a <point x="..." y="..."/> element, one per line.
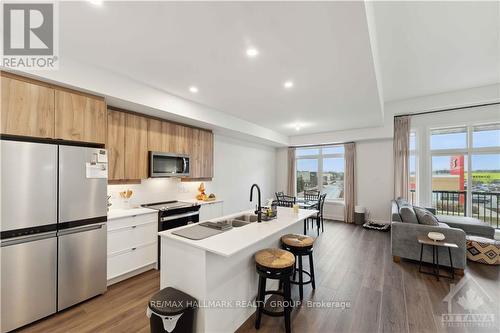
<point x="426" y="217"/>
<point x="408" y="214"/>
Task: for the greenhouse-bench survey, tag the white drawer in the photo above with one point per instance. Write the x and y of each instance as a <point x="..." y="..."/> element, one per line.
<point x="125" y="262"/>
<point x="131" y="236"/>
<point x="132" y="220"/>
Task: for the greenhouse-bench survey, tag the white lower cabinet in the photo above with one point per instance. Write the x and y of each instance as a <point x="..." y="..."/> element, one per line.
<point x="211" y="210"/>
<point x="132" y="244"/>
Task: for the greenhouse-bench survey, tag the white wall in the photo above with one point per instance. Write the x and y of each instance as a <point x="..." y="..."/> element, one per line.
<point x="237" y="165"/>
<point x="375" y="177"/>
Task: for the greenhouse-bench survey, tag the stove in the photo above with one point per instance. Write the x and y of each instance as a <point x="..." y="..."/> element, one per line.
<point x="173" y="214"/>
<point x="169" y="205"/>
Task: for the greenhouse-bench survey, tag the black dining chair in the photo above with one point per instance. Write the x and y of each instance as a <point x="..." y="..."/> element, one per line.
<point x="319" y="216"/>
<point x="311" y="195"/>
<point x="286" y="201"/>
<point x="279" y="195"/>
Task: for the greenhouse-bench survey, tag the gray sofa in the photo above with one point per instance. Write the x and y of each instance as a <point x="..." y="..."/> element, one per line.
<point x="404" y="236"/>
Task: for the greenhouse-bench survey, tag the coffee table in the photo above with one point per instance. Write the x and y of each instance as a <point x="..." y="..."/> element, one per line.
<point x="424" y="240"/>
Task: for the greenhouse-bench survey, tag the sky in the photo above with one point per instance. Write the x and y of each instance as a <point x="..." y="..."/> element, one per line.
<point x="489" y="138"/>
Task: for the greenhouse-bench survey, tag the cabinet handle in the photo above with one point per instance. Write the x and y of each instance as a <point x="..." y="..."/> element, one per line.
<point x="134" y="215"/>
<point x="134" y="226"/>
<point x="134" y="248"/>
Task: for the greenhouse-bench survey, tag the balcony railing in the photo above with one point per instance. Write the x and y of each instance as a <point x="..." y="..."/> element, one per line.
<point x="485" y="205"/>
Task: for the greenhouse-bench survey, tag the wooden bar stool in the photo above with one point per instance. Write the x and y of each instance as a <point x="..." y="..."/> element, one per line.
<point x="300" y="245"/>
<point x="276" y="264"/>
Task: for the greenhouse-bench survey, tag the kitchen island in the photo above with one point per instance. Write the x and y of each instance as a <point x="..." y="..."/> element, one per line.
<point x="219" y="271"/>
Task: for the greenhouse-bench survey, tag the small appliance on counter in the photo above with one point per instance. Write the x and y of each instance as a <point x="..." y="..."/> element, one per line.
<point x="173" y="214"/>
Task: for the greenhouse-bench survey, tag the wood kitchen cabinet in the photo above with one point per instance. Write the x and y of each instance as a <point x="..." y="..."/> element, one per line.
<point x="164" y="136"/>
<point x="27" y="108"/>
<point x="201" y="153"/>
<point x="136" y="147"/>
<point x="127" y="146"/>
<point x="116" y="145"/>
<point x="80" y="117"/>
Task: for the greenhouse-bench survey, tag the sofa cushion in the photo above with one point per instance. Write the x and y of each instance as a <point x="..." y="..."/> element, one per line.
<point x="402" y="202"/>
<point x="395" y="212"/>
<point x="470" y="225"/>
<point x="443" y="225"/>
<point x="425" y="217"/>
<point x="408" y="214"/>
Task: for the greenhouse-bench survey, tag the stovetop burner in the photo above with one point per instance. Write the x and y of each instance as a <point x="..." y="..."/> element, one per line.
<point x="167" y="205"/>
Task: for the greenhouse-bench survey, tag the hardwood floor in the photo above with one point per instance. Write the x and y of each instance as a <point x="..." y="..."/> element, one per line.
<point x="352" y="265"/>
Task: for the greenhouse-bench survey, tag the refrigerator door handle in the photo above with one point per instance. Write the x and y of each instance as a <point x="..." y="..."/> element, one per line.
<point x="26" y="239"/>
<point x="80" y="229"/>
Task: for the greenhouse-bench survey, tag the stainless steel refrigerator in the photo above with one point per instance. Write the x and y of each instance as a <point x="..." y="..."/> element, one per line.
<point x="53" y="228"/>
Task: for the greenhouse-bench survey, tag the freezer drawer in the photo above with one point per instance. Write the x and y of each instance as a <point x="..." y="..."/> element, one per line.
<point x="82" y="264"/>
<point x="29" y="185"/>
<point x="28" y="280"/>
<point x="80" y="198"/>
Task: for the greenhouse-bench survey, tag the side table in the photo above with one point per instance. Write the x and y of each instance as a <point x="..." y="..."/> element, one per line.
<point x="424" y="240"/>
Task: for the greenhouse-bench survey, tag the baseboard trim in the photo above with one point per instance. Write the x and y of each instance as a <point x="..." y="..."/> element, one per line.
<point x="130" y="274"/>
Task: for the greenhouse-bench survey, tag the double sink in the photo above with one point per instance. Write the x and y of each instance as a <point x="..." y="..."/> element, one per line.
<point x="240" y="221"/>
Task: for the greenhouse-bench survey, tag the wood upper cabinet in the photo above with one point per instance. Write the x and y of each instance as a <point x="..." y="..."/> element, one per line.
<point x="164" y="136"/>
<point x="201" y="152"/>
<point x="160" y="136"/>
<point x="27" y="108"/>
<point x="80" y="117"/>
<point x="136" y="147"/>
<point x="116" y="145"/>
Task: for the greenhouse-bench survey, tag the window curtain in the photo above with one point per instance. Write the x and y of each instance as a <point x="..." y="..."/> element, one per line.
<point x="291" y="172"/>
<point x="401" y="147"/>
<point x="349" y="184"/>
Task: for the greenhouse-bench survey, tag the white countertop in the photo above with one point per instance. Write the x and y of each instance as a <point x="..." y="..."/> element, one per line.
<point x="119" y="213"/>
<point x="236" y="239"/>
<point x="201" y="202"/>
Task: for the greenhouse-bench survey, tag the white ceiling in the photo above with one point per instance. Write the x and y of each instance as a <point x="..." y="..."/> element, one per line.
<point x="434" y="47"/>
<point x="324" y="47"/>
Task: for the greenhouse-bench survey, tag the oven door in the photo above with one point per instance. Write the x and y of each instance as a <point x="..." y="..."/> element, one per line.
<point x="174" y="221"/>
<point x="168" y="165"/>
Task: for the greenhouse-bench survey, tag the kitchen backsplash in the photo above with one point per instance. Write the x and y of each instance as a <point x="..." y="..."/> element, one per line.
<point x="154" y="190"/>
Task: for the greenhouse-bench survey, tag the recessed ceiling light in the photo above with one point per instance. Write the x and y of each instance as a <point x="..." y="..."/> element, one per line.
<point x="252" y="52"/>
<point x="95" y="2"/>
<point x="297" y="127"/>
<point x="288" y="84"/>
<point x="193" y="89"/>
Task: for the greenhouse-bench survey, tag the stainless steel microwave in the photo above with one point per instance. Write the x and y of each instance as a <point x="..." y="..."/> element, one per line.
<point x="168" y="165"/>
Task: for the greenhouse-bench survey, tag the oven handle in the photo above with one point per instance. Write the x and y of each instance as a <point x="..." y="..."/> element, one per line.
<point x="178" y="216"/>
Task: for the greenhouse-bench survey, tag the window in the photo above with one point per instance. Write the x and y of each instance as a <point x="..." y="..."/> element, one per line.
<point x="321" y="168"/>
<point x="412" y="168"/>
<point x="466" y="171"/>
<point x="449" y="138"/>
<point x="486" y="136"/>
